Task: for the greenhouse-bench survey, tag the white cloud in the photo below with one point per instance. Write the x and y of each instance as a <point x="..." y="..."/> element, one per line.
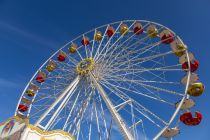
<point x="4" y="83"/>
<point x="27" y="35"/>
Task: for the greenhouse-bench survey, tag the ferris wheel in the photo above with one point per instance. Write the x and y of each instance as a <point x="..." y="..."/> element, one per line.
<point x="130" y="80"/>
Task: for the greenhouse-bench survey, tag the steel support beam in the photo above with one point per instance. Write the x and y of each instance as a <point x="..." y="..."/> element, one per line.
<point x="119" y="121"/>
<point x="65" y="92"/>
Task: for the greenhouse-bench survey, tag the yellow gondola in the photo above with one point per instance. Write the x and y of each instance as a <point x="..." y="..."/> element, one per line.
<point x="51" y="66"/>
<point x="98" y="36"/>
<point x="73" y="48"/>
<point x="152" y="31"/>
<point x="178" y="47"/>
<point x="196" y="89"/>
<point x="123" y="29"/>
<point x="31" y="91"/>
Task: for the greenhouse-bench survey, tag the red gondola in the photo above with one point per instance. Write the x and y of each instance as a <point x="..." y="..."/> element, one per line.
<point x="137" y="28"/>
<point x="110" y="31"/>
<point x="194" y="64"/>
<point x="22" y="107"/>
<point x="41" y="77"/>
<point x="61" y="56"/>
<point x="85" y="41"/>
<point x="166" y="37"/>
<point x="188" y="119"/>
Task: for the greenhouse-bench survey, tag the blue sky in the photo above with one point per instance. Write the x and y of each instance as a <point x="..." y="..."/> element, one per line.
<point x="31" y="31"/>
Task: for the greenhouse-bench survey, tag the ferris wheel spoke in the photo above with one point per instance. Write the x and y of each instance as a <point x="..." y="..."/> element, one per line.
<point x="156" y="75"/>
<point x="136" y="123"/>
<point x="150" y="112"/>
<point x="143" y="130"/>
<point x="59" y="70"/>
<point x="118" y="78"/>
<point x="72" y="60"/>
<point x="141" y="60"/>
<point x="135" y="108"/>
<point x="38" y="110"/>
<point x="52" y="87"/>
<point x="70" y="113"/>
<point x="146" y="116"/>
<point x="137" y="76"/>
<point x="67" y="90"/>
<point x="115" y="32"/>
<point x="111" y="49"/>
<point x="138" y="52"/>
<point x="144" y="108"/>
<point x="57" y="75"/>
<point x="46" y="103"/>
<point x="103" y="116"/>
<point x="79" y="54"/>
<point x="77" y="51"/>
<point x="91" y="120"/>
<point x="97" y="121"/>
<point x="120" y="52"/>
<point x="93" y="44"/>
<point x="120" y="88"/>
<point x="80" y="114"/>
<point x="99" y="46"/>
<point x="133" y="122"/>
<point x="120" y="93"/>
<point x="68" y="65"/>
<point x="131" y="53"/>
<point x="141" y="70"/>
<point x="110" y="60"/>
<point x="59" y="109"/>
<point x="158" y="62"/>
<point x="116" y="87"/>
<point x="135" y="43"/>
<point x="133" y="35"/>
<point x="79" y="109"/>
<point x="129" y="84"/>
<point x="102" y="54"/>
<point x="41" y="98"/>
<point x="55" y="80"/>
<point x="56" y="122"/>
<point x="125" y="132"/>
<point x="159" y="89"/>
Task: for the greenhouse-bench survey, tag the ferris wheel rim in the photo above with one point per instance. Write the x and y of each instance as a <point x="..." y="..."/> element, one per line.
<point x="176" y="111"/>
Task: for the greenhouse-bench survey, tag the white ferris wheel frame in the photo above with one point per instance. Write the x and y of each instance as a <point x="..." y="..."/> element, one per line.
<point x="125" y="132"/>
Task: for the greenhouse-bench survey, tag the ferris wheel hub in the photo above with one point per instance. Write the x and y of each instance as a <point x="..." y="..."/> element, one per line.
<point x="85" y="66"/>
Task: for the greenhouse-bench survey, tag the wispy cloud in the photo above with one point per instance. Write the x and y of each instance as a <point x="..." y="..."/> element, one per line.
<point x="4" y="83"/>
<point x="29" y="36"/>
